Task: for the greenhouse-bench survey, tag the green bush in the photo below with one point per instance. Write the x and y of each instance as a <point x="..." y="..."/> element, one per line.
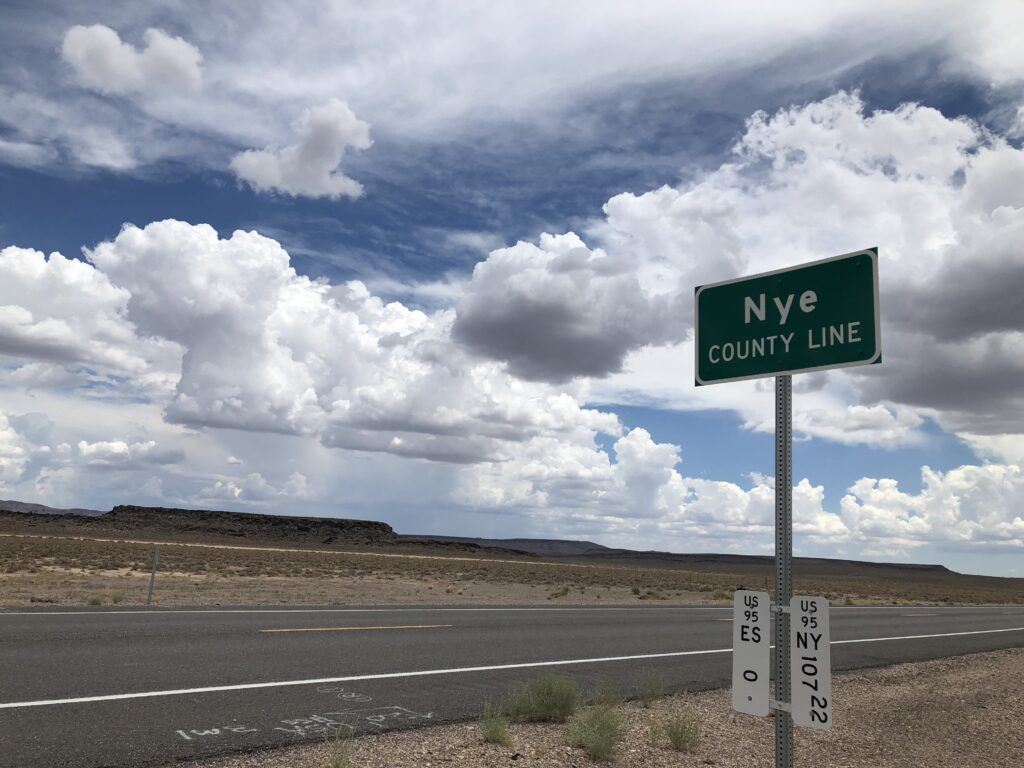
<point x="598" y="731"/>
<point x="545" y="699"/>
<point x="650" y="688"/>
<point x="494" y="726"/>
<point x="95" y="600"/>
<point x="681" y="730"/>
<point x="338" y="749"/>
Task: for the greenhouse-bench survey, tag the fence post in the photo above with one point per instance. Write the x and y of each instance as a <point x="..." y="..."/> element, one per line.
<point x="152" y="576"/>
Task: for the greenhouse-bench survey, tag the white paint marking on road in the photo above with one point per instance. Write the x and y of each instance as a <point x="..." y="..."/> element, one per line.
<point x="920" y="637"/>
<point x="355" y="610"/>
<point x="457" y="670"/>
<point x="354" y="678"/>
<point x="174" y="611"/>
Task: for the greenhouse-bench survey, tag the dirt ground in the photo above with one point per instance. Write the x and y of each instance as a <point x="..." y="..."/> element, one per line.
<point x="126" y="588"/>
<point x="963" y="712"/>
<point x="64" y="571"/>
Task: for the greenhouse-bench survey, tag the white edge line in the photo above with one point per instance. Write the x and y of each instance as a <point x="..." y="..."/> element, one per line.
<point x="457" y="670"/>
<point x="354" y="678"/>
<point x="171" y="612"/>
<point x="946" y="610"/>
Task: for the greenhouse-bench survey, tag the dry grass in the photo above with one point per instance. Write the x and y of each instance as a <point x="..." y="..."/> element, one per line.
<point x="494" y="727"/>
<point x="597" y="731"/>
<point x="549" y="698"/>
<point x="680" y="729"/>
<point x="70" y="571"/>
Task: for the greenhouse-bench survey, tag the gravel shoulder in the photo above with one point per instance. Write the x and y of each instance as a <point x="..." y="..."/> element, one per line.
<point x="956" y="712"/>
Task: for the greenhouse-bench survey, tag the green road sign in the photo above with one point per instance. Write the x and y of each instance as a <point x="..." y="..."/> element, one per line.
<point x="807" y="318"/>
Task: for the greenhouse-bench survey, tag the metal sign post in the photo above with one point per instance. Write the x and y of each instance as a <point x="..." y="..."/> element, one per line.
<point x="783" y="565"/>
<point x="152" y="576"/>
<point x="812" y="317"/>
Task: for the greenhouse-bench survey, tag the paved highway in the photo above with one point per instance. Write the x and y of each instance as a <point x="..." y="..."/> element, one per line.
<point x="139" y="688"/>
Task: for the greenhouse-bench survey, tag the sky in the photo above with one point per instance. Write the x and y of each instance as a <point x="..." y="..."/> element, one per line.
<point x="434" y="265"/>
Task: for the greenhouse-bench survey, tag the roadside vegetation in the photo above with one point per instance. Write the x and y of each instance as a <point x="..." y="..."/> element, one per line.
<point x="68" y="571"/>
<point x="681" y="730"/>
<point x="494" y="726"/>
<point x="597" y="731"/>
<point x="338" y="749"/>
<point x="546" y="699"/>
<point x="595" y="723"/>
<point x="650" y="688"/>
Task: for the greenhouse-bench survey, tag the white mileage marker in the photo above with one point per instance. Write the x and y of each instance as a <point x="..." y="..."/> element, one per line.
<point x="810" y="662"/>
<point x="750" y="652"/>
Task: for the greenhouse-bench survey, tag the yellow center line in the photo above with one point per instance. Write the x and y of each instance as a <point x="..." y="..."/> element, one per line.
<point x="356" y="629"/>
<point x="729" y="619"/>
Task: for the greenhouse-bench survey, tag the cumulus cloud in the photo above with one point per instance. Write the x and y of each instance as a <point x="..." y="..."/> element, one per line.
<point x="446" y="71"/>
<point x="118" y="454"/>
<point x="266" y="349"/>
<point x="576" y="488"/>
<point x="252" y="489"/>
<point x="559" y="310"/>
<point x="65" y="311"/>
<point x="971" y="506"/>
<point x="311" y="166"/>
<point x="35" y="427"/>
<point x="942" y="198"/>
<point x="103" y="62"/>
<point x="14" y="454"/>
<point x="484" y="384"/>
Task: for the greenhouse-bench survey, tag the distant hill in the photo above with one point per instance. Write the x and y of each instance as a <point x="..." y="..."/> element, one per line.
<point x="220" y="527"/>
<point x="541" y="547"/>
<point x="206" y="525"/>
<point x="215" y="526"/>
<point x="42" y="509"/>
<point x="596" y="554"/>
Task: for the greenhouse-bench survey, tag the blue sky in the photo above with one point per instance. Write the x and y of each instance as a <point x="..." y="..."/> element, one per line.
<point x="502" y="216"/>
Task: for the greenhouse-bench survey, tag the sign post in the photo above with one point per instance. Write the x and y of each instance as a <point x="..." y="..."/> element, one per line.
<point x="812" y="317"/>
<point x="783" y="563"/>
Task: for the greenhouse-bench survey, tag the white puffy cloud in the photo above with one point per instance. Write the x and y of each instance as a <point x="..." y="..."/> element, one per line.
<point x="640" y="499"/>
<point x="942" y="199"/>
<point x="65" y="311"/>
<point x="35" y="427"/>
<point x="419" y="73"/>
<point x="310" y="166"/>
<point x="1004" y="449"/>
<point x="14" y="454"/>
<point x="266" y="349"/>
<point x="252" y="489"/>
<point x="103" y="62"/>
<point x="970" y="506"/>
<point x="557" y="310"/>
<point x="118" y="454"/>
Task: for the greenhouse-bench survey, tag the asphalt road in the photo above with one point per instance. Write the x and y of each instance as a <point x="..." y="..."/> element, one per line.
<point x="139" y="688"/>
